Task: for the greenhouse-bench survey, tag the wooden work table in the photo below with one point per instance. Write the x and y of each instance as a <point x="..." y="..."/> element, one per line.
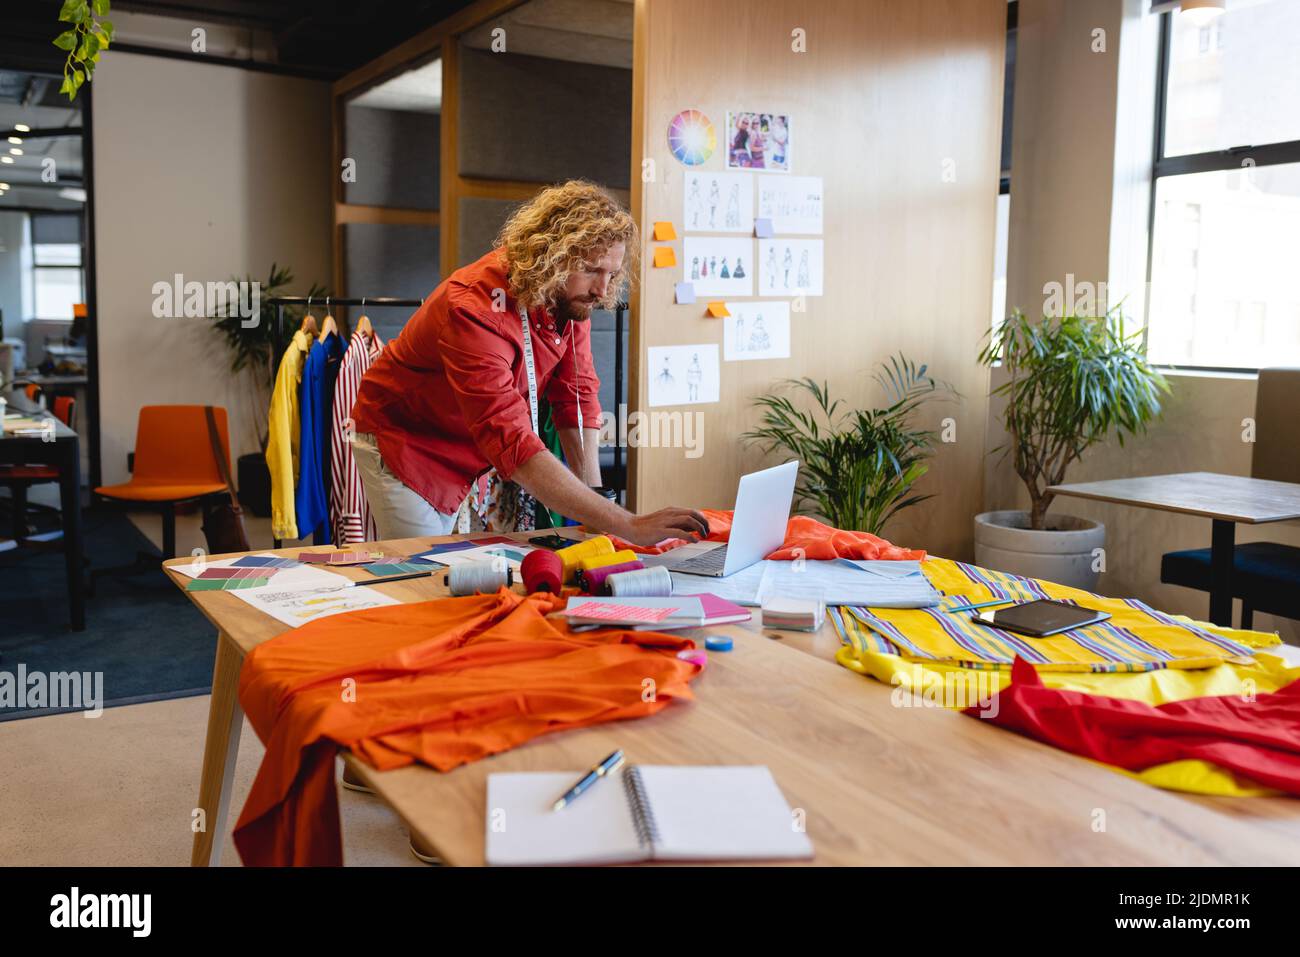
<point x="879" y="784"/>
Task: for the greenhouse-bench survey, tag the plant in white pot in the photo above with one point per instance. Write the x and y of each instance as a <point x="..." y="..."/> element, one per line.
<point x="1069" y="384"/>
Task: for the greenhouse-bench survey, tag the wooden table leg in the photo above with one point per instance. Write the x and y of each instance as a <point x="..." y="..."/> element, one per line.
<point x="225" y="722"/>
<point x="1222" y="558"/>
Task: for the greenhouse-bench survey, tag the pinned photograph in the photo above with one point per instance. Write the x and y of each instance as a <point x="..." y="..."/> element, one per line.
<point x="759" y="141"/>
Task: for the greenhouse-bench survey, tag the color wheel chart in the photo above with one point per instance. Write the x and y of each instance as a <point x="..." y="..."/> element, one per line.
<point x="691" y="137"/>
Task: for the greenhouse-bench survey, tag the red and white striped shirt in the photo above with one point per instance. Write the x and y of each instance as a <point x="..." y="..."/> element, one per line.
<point x="350" y="518"/>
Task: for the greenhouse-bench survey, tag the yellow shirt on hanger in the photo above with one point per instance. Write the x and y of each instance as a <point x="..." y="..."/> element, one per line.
<point x="283" y="435"/>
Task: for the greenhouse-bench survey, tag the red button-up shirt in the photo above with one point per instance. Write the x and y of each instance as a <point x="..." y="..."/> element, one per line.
<point x="448" y="398"/>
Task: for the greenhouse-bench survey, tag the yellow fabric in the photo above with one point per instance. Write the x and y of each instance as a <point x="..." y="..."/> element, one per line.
<point x="919" y="682"/>
<point x="1135" y="638"/>
<point x="283" y="436"/>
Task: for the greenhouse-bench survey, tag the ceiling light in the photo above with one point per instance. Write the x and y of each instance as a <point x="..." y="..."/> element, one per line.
<point x="22" y="128"/>
<point x="1201" y="12"/>
<point x="6" y="159"/>
<point x="16" y="140"/>
<point x="15" y="151"/>
<point x="74" y="193"/>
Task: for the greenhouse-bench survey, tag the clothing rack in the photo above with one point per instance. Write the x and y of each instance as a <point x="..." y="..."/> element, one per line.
<point x="620" y="317"/>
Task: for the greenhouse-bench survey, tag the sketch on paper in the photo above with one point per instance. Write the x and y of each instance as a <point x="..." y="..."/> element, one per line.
<point x="718" y="202"/>
<point x="790" y="267"/>
<point x="794" y="204"/>
<point x="756" y="330"/>
<point x="684" y="375"/>
<point x="718" y="267"/>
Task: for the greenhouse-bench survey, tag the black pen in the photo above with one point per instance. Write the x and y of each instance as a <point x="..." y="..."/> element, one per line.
<point x="610" y="764"/>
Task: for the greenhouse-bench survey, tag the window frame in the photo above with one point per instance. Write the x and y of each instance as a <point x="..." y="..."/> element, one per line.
<point x="1268" y="154"/>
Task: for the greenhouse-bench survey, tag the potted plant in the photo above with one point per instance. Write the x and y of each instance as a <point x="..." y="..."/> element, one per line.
<point x="857" y="468"/>
<point x="256" y="350"/>
<point x="1070" y="383"/>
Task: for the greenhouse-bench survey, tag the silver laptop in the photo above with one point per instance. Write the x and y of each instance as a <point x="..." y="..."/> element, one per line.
<point x="757" y="528"/>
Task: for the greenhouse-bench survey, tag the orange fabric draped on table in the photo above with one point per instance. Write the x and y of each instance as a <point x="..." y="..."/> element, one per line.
<point x="443" y="682"/>
<point x="805" y="538"/>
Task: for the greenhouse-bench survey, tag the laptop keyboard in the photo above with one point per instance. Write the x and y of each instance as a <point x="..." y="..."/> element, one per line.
<point x="711" y="561"/>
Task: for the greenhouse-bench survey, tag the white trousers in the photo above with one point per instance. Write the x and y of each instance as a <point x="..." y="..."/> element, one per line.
<point x="399" y="511"/>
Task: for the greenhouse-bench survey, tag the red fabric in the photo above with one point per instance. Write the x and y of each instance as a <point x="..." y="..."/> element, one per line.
<point x="805" y="538"/>
<point x="442" y="682"/>
<point x="448" y="398"/>
<point x="1258" y="739"/>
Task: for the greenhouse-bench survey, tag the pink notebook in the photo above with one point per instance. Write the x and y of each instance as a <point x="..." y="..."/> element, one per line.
<point x="719" y="611"/>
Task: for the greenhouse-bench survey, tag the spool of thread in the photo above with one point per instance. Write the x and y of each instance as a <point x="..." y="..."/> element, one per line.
<point x="653" y="582"/>
<point x="595" y="580"/>
<point x="470" y="578"/>
<point x="542" y="571"/>
<point x="590" y="548"/>
<point x="600" y="561"/>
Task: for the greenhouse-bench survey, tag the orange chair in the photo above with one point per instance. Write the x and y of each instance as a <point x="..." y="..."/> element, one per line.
<point x="19" y="478"/>
<point x="173" y="464"/>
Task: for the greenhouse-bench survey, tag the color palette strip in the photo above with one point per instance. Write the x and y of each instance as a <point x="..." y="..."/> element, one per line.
<point x="224" y="584"/>
<point x="400" y="568"/>
<point x="265" y="561"/>
<point x="233" y="572"/>
<point x="339" y="558"/>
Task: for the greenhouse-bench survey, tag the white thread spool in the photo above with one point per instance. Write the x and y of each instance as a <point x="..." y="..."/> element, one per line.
<point x="653" y="582"/>
<point x="469" y="578"/>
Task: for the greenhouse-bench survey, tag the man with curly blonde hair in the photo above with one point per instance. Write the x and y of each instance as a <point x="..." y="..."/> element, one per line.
<point x="454" y="397"/>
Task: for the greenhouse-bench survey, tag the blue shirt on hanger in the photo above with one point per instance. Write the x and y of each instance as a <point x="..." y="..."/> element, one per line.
<point x="315" y="396"/>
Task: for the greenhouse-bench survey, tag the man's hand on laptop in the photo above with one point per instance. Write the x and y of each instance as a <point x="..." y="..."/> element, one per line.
<point x="666" y="523"/>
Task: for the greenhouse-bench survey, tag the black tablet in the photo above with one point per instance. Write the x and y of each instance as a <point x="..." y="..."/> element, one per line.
<point x="1041" y="618"/>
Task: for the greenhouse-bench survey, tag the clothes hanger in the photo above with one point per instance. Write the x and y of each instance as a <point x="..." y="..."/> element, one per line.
<point x="308" y="321"/>
<point x="363" y="322"/>
<point x="328" y="326"/>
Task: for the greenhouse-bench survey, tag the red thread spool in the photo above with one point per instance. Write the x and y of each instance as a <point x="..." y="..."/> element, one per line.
<point x="542" y="571"/>
<point x="594" y="580"/>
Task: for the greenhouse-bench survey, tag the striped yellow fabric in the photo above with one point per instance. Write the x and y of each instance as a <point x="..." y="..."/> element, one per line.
<point x="926" y="681"/>
<point x="1135" y="638"/>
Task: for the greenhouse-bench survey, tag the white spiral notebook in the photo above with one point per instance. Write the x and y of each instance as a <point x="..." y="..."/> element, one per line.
<point x="643" y="813"/>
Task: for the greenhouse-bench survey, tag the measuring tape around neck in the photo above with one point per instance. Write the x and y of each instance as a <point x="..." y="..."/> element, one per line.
<point x="530" y="368"/>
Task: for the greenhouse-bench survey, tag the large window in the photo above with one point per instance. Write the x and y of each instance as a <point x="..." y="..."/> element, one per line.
<point x="57" y="273"/>
<point x="1226" y="202"/>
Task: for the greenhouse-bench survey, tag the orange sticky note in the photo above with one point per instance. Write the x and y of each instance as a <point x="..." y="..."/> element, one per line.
<point x="664" y="256"/>
<point x="664" y="232"/>
<point x="718" y="310"/>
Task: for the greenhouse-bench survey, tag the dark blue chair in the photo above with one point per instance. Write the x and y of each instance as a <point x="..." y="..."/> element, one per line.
<point x="1265" y="575"/>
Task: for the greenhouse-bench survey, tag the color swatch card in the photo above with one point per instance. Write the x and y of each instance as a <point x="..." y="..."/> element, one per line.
<point x="297" y="606"/>
<point x="224" y="584"/>
<point x="339" y="558"/>
<point x="399" y="568"/>
<point x="265" y="561"/>
<point x="236" y="572"/>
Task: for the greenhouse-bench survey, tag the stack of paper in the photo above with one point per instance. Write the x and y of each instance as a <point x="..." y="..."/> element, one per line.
<point x="793" y="614"/>
<point x="873" y="584"/>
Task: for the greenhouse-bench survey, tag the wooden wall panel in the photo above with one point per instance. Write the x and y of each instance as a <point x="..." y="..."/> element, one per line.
<point x="888" y="98"/>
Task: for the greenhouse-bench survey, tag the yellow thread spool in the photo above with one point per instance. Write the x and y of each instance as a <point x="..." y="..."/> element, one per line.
<point x="599" y="561"/>
<point x="590" y="548"/>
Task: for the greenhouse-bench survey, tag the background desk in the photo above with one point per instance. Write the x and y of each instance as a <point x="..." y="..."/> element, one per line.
<point x="1225" y="499"/>
<point x="59" y="448"/>
<point x="879" y="784"/>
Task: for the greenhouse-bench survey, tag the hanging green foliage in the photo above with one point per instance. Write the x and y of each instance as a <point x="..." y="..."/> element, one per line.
<point x="88" y="36"/>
